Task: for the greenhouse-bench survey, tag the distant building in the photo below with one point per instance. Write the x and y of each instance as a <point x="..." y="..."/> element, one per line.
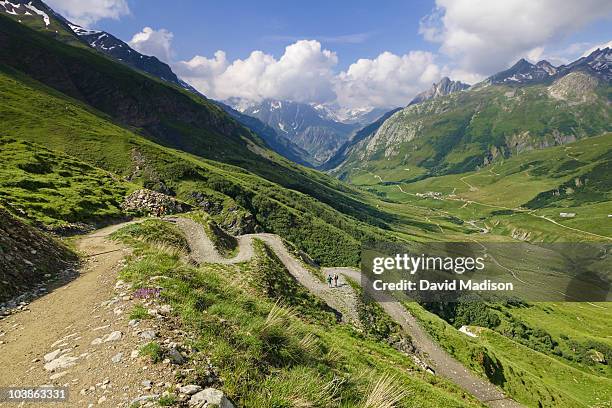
<point x="567" y="215"/>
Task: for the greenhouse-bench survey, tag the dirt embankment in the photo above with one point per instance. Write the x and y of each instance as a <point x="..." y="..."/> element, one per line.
<point x="28" y="256"/>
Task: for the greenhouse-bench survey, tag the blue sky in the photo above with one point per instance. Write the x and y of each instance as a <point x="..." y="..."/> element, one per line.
<point x="354" y="30"/>
<point x="353" y="53"/>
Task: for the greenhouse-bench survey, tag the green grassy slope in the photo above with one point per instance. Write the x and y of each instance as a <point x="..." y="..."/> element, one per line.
<point x="466" y="130"/>
<point x="55" y="189"/>
<point x="537" y="353"/>
<point x="511" y="196"/>
<point x="161" y="112"/>
<point x="35" y="113"/>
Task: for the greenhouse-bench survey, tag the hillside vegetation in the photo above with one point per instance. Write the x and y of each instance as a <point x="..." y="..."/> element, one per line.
<point x="270" y="342"/>
<point x="35" y="113"/>
<point x="466" y="130"/>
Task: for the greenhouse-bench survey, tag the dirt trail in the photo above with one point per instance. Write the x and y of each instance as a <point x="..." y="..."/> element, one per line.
<point x="344" y="299"/>
<point x="65" y="322"/>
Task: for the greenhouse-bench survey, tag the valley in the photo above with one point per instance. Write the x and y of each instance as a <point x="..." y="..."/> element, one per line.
<point x="203" y="231"/>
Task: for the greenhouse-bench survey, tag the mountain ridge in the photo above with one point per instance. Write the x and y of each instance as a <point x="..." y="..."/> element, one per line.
<point x="528" y="106"/>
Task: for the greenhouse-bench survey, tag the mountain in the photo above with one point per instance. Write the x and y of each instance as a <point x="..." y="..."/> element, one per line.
<point x="115" y="48"/>
<point x="529" y="106"/>
<point x="358" y="116"/>
<point x="442" y="88"/>
<point x="360" y="135"/>
<point x="597" y="63"/>
<point x="309" y="128"/>
<point x="148" y="132"/>
<point x="524" y="72"/>
<point x="281" y="145"/>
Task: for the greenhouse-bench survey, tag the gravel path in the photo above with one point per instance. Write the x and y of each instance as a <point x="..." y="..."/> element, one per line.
<point x="344" y="300"/>
<point x="78" y="336"/>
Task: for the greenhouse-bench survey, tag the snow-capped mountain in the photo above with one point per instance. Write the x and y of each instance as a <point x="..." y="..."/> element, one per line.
<point x="112" y="46"/>
<point x="442" y="88"/>
<point x="38" y="13"/>
<point x="360" y="116"/>
<point x="314" y="128"/>
<point x="598" y="63"/>
<point x="28" y="9"/>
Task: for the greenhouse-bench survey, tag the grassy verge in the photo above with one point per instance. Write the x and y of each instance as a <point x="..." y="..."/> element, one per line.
<point x="224" y="243"/>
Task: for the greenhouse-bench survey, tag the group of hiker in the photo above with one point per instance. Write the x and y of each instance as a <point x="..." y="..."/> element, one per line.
<point x="331" y="279"/>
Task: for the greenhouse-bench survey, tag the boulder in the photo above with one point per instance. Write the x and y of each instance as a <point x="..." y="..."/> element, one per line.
<point x="210" y="398"/>
<point x="151" y="202"/>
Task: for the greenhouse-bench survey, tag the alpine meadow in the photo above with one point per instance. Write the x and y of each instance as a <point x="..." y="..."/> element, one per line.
<point x="191" y="196"/>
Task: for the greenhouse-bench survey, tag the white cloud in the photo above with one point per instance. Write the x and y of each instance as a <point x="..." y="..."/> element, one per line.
<point x="303" y="73"/>
<point x="87" y="12"/>
<point x="387" y="80"/>
<point x="484" y="36"/>
<point x="153" y="42"/>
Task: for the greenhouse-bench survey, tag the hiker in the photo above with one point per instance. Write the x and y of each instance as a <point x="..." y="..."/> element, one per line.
<point x="329" y="280"/>
<point x="336" y="280"/>
<point x="162" y="211"/>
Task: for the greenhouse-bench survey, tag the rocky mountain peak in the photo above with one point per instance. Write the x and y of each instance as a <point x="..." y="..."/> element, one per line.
<point x="598" y="63"/>
<point x="522" y="72"/>
<point x="444" y="87"/>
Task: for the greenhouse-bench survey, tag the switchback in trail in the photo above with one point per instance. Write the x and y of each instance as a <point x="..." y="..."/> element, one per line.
<point x="344" y="300"/>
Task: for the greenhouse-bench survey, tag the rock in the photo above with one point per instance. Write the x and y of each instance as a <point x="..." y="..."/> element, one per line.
<point x="175" y="356"/>
<point x="209" y="398"/>
<point x="190" y="389"/>
<point x="58" y="375"/>
<point x="150" y="202"/>
<point x="147" y="383"/>
<point x="148" y="335"/>
<point x="64" y="361"/>
<point x="52" y="355"/>
<point x="597" y="356"/>
<point x="165" y="309"/>
<point x="136" y="401"/>
<point x="134" y="354"/>
<point x="96" y="341"/>
<point x="114" y="336"/>
<point x="117" y="358"/>
<point x="101" y="400"/>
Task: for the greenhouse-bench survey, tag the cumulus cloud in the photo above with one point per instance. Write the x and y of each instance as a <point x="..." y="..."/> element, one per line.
<point x="153" y="42"/>
<point x="303" y="73"/>
<point x="87" y="12"/>
<point x="483" y="36"/>
<point x="387" y="80"/>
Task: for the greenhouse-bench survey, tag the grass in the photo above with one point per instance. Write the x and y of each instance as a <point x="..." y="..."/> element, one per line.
<point x="54" y="189"/>
<point x="224" y="243"/>
<point x="139" y="312"/>
<point x="277" y="345"/>
<point x="152" y="350"/>
<point x="532" y="377"/>
<point x="167" y="400"/>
